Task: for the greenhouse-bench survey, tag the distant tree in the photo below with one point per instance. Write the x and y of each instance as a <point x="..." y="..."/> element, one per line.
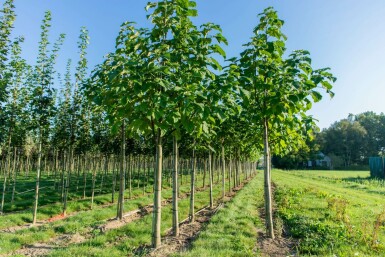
<point x="346" y="139"/>
<point x="374" y="125"/>
<point x="299" y="157"/>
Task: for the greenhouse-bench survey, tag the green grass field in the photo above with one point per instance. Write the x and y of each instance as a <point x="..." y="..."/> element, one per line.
<point x="324" y="213"/>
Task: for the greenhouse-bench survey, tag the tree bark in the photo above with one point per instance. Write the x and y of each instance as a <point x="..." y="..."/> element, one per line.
<point x="175" y="218"/>
<point x="211" y="181"/>
<point x="192" y="193"/>
<point x="223" y="173"/>
<point x="37" y="179"/>
<point x="122" y="179"/>
<point x="267" y="182"/>
<point x="156" y="221"/>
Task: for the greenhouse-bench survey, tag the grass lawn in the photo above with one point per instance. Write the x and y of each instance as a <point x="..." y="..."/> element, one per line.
<point x="332" y="213"/>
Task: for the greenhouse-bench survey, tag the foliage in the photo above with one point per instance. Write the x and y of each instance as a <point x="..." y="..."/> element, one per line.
<point x="354" y="139"/>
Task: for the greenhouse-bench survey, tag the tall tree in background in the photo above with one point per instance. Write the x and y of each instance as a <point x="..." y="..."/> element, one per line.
<point x="7" y="18"/>
<point x="14" y="116"/>
<point x="42" y="94"/>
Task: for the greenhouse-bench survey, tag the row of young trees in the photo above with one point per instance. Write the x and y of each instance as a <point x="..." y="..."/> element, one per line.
<point x="168" y="87"/>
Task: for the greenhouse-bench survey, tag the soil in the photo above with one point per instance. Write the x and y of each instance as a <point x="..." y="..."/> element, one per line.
<point x="279" y="247"/>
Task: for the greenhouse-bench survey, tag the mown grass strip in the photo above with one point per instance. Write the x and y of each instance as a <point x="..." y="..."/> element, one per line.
<point x="233" y="230"/>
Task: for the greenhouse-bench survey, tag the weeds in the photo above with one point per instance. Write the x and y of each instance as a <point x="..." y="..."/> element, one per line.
<point x="339" y="206"/>
<point x="378" y="225"/>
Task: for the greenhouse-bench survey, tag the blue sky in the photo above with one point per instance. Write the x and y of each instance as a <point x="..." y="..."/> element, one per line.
<point x="346" y="35"/>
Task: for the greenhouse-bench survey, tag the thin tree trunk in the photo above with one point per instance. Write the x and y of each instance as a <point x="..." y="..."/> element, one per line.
<point x="267" y="182"/>
<point x="175" y="219"/>
<point x="14" y="174"/>
<point x="121" y="179"/>
<point x="67" y="181"/>
<point x="37" y="179"/>
<point x="230" y="175"/>
<point x="156" y="221"/>
<point x="113" y="181"/>
<point x="130" y="176"/>
<point x="8" y="167"/>
<point x="211" y="181"/>
<point x="223" y="173"/>
<point x="84" y="177"/>
<point x="192" y="193"/>
<point x="204" y="172"/>
<point x="93" y="183"/>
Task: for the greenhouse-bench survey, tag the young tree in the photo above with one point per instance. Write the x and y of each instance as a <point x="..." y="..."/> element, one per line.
<point x="280" y="91"/>
<point x="42" y="94"/>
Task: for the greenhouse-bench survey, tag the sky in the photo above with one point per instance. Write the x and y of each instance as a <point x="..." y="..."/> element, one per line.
<point x="346" y="35"/>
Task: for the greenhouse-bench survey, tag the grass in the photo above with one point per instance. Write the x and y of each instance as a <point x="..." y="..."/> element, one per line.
<point x="330" y="213"/>
<point x="134" y="238"/>
<point x="233" y="230"/>
<point x="50" y="201"/>
<point x="84" y="221"/>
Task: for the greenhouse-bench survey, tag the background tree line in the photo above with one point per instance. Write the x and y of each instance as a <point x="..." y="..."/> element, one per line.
<point x="348" y="142"/>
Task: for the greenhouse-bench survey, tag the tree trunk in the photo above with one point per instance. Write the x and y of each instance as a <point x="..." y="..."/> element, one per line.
<point x="113" y="180"/>
<point x="175" y="219"/>
<point x="130" y="176"/>
<point x="121" y="179"/>
<point x="37" y="179"/>
<point x="84" y="177"/>
<point x="14" y="174"/>
<point x="211" y="181"/>
<point x="156" y="239"/>
<point x="223" y="173"/>
<point x="8" y="167"/>
<point x="67" y="181"/>
<point x="93" y="183"/>
<point x="192" y="193"/>
<point x="267" y="182"/>
<point x="230" y="175"/>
